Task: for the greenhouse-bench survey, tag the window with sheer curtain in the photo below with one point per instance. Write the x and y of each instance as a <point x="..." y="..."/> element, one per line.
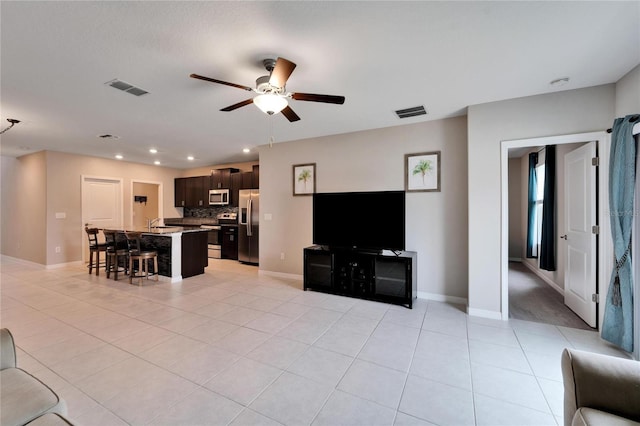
<point x="539" y="200"/>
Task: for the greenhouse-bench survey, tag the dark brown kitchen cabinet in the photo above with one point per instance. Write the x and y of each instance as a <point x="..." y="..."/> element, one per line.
<point x="197" y="191"/>
<point x="194" y="191"/>
<point x="247" y="180"/>
<point x="256" y="177"/>
<point x="180" y="194"/>
<point x="221" y="178"/>
<point x="229" y="249"/>
<point x="189" y="192"/>
<point x="236" y="186"/>
<point x="194" y="253"/>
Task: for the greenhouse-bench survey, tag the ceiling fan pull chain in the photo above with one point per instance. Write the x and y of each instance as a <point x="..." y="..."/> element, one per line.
<point x="271" y="138"/>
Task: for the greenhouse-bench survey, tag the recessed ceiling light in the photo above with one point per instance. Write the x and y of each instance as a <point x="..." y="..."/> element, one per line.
<point x="157" y="163"/>
<point x="190" y="158"/>
<point x="119" y="157"/>
<point x="153" y="150"/>
<point x="246" y="150"/>
<point x="559" y="82"/>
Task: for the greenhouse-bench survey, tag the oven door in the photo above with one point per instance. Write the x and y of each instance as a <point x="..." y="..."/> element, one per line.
<point x="214" y="241"/>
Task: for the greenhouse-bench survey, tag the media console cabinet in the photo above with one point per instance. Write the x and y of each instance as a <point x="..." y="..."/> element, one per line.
<point x="385" y="277"/>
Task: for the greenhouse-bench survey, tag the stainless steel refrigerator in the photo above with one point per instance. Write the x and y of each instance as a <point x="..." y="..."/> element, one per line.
<point x="249" y="229"/>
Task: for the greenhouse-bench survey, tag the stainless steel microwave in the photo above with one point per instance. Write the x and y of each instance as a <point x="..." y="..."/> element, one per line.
<point x="218" y="197"/>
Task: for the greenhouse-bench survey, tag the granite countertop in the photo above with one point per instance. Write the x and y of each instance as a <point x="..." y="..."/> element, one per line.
<point x="192" y="221"/>
<point x="160" y="230"/>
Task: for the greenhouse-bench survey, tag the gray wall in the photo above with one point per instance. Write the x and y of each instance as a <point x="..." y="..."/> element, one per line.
<point x="628" y="93"/>
<point x="48" y="182"/>
<point x="516" y="242"/>
<point x="436" y="222"/>
<point x="568" y="112"/>
<point x="23" y="203"/>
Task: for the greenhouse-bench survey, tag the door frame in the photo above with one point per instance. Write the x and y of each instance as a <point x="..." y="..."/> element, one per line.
<point x="160" y="198"/>
<point x="604" y="245"/>
<point x="83" y="179"/>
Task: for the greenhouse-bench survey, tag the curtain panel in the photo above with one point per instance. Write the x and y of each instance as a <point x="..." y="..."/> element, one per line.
<point x="548" y="239"/>
<point x="617" y="325"/>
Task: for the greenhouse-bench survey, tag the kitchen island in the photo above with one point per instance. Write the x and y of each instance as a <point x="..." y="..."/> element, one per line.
<point x="182" y="251"/>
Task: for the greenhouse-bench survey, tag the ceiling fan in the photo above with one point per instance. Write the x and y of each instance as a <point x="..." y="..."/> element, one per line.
<point x="272" y="94"/>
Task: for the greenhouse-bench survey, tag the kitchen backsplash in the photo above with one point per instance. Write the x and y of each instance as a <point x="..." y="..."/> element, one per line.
<point x="205" y="212"/>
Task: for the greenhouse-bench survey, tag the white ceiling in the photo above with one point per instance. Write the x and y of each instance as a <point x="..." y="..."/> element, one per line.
<point x="382" y="56"/>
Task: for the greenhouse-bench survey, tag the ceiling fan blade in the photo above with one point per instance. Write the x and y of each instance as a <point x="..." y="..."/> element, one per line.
<point x="238" y="105"/>
<point x="213" y="80"/>
<point x="281" y="72"/>
<point x="291" y="116"/>
<point x="329" y="99"/>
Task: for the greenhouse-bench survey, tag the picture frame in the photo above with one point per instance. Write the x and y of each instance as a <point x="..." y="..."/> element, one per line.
<point x="304" y="179"/>
<point x="422" y="172"/>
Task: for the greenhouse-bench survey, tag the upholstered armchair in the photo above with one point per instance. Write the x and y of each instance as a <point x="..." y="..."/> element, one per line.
<point x="23" y="398"/>
<point x="600" y="389"/>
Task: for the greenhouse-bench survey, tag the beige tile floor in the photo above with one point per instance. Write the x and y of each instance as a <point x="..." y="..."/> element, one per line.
<point x="235" y="347"/>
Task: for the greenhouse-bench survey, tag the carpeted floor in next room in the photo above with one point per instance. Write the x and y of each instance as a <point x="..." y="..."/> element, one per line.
<point x="531" y="299"/>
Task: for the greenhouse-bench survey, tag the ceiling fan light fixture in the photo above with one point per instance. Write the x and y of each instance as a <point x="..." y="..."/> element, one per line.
<point x="270" y="103"/>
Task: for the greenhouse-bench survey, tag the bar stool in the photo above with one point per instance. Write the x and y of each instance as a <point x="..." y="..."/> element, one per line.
<point x="94" y="247"/>
<point x="116" y="251"/>
<point x="141" y="256"/>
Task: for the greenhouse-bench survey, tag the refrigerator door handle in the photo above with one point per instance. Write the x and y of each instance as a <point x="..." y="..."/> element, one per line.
<point x="249" y="218"/>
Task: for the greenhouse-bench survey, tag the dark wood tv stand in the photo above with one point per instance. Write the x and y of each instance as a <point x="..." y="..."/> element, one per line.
<point x="381" y="276"/>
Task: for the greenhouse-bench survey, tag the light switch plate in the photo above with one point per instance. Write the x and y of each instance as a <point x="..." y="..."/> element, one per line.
<point x="268" y="216"/>
<point x="61" y="215"/>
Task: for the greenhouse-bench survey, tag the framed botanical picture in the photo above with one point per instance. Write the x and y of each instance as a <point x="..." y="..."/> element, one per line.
<point x="304" y="179"/>
<point x="422" y="172"/>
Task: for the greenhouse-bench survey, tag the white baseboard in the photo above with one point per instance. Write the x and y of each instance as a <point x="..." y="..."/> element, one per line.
<point x="280" y="275"/>
<point x="483" y="313"/>
<point x="22" y="261"/>
<point x="40" y="265"/>
<point x="547" y="280"/>
<point x="64" y="265"/>
<point x="442" y="298"/>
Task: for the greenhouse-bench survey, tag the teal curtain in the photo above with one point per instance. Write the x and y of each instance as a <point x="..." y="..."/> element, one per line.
<point x="531" y="218"/>
<point x="548" y="239"/>
<point x="617" y="326"/>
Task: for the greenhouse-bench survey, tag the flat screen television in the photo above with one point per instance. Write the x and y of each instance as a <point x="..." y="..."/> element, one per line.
<point x="360" y="220"/>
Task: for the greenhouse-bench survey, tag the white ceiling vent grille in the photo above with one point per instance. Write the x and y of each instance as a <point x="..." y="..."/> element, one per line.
<point x="411" y="112"/>
<point x="108" y="136"/>
<point x="126" y="87"/>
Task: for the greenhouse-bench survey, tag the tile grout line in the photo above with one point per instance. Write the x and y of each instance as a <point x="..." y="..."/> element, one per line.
<point x="406" y="379"/>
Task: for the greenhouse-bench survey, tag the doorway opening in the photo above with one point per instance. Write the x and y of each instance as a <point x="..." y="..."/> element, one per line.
<point x="538" y="293"/>
<point x="101" y="206"/>
<point x="146" y="202"/>
<point x="600" y="263"/>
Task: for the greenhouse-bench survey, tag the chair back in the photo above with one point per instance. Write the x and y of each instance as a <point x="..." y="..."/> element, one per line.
<point x="121" y="241"/>
<point x="133" y="242"/>
<point x="92" y="234"/>
<point x="110" y="238"/>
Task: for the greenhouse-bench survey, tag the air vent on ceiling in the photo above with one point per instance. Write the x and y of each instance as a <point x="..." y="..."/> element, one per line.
<point x="411" y="112"/>
<point x="108" y="136"/>
<point x="126" y="87"/>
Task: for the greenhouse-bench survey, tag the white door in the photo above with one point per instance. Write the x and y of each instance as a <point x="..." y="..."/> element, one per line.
<point x="580" y="241"/>
<point x="101" y="206"/>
